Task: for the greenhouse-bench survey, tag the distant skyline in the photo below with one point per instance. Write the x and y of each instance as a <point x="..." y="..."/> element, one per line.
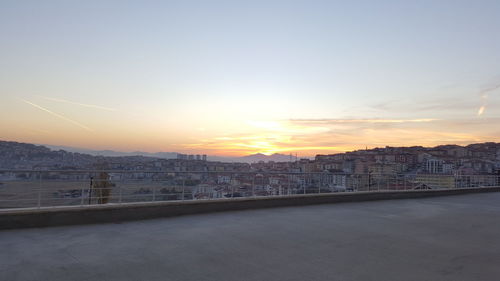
<point x="233" y="78"/>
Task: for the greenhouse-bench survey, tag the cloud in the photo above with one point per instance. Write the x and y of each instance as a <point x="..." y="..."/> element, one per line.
<point x="484" y="94"/>
<point x="58" y="115"/>
<point x="427" y="104"/>
<point x="489" y="89"/>
<point x="376" y="120"/>
<point x="287" y="128"/>
<point x="442" y="107"/>
<point x="340" y="135"/>
<point x="481" y="110"/>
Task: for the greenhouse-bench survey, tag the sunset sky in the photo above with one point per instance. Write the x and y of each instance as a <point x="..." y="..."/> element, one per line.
<point x="240" y="77"/>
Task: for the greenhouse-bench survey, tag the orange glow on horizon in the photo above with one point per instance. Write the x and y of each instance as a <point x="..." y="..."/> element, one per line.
<point x="312" y="139"/>
<point x="123" y="131"/>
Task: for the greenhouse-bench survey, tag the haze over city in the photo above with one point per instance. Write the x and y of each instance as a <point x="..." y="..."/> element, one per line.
<point x="232" y="78"/>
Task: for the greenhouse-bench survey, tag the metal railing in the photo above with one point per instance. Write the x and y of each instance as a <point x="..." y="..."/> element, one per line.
<point x="42" y="189"/>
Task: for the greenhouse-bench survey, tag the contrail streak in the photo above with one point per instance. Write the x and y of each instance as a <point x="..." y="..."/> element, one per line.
<point x="59" y="116"/>
<point x="489" y="89"/>
<point x="484" y="97"/>
<point x="481" y="110"/>
<point x="80" y="104"/>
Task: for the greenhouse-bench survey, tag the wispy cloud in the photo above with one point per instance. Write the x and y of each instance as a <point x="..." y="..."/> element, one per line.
<point x="80" y="104"/>
<point x="442" y="106"/>
<point x="319" y="136"/>
<point x="481" y="110"/>
<point x="285" y="127"/>
<point x="376" y="120"/>
<point x="58" y="115"/>
<point x="484" y="94"/>
<point x="489" y="89"/>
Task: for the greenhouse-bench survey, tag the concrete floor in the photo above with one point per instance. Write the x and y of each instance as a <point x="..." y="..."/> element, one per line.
<point x="441" y="238"/>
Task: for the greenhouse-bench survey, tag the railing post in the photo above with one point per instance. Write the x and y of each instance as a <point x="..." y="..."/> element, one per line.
<point x="305" y="184"/>
<point x="183" y="190"/>
<point x="39" y="203"/>
<point x="289" y="184"/>
<point x="90" y="188"/>
<point x="253" y="185"/>
<point x="154" y="194"/>
<point x="120" y="194"/>
<point x="319" y="184"/>
<point x="81" y="196"/>
<point x="184" y="186"/>
<point x="232" y="186"/>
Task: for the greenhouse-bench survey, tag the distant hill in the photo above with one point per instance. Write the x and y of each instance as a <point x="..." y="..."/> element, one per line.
<point x="253" y="158"/>
<point x="112" y="153"/>
<point x="276" y="157"/>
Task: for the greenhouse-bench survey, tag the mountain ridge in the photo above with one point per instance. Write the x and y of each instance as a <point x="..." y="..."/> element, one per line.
<point x="251" y="158"/>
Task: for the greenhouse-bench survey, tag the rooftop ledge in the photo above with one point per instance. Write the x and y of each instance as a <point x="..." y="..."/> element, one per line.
<point x="109" y="213"/>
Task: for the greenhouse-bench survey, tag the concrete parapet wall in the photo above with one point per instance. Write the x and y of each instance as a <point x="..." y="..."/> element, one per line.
<point x="59" y="216"/>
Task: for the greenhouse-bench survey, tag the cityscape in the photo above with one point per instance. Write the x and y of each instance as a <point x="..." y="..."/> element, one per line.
<point x="473" y="159"/>
<point x="192" y="177"/>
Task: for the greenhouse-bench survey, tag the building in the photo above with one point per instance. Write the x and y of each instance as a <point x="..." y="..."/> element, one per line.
<point x="434" y="166"/>
<point x="436" y="181"/>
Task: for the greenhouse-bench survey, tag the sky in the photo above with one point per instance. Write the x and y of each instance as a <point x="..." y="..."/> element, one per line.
<point x="232" y="78"/>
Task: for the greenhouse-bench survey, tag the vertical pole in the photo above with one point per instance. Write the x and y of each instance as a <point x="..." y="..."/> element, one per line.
<point x="154" y="194"/>
<point x="184" y="186"/>
<point x="232" y="186"/>
<point x="120" y="189"/>
<point x="369" y="180"/>
<point x="305" y="184"/>
<point x="39" y="204"/>
<point x="81" y="196"/>
<point x="253" y="185"/>
<point x="90" y="189"/>
<point x="183" y="190"/>
<point x="320" y="182"/>
<point x="289" y="182"/>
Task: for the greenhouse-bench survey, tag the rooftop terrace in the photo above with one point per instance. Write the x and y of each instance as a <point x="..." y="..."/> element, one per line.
<point x="438" y="238"/>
